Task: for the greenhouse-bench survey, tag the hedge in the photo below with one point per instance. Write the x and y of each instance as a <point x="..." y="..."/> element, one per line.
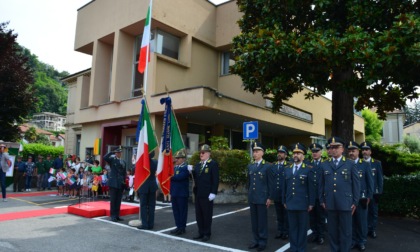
<point x="401" y="196"/>
<point x="36" y="150"/>
<point x="396" y="160"/>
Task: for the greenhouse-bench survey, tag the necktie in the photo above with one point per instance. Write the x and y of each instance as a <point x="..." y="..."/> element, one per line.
<point x="335" y="162"/>
<point x="295" y="170"/>
<point x="202" y="167"/>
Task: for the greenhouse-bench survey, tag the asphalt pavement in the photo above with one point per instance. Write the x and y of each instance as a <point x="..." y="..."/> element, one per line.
<point x="231" y="230"/>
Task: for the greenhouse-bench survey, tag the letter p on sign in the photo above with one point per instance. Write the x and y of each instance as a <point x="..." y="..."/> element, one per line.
<point x="250" y="130"/>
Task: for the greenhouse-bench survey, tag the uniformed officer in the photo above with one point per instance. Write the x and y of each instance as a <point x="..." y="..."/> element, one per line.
<point x="147" y="196"/>
<point x="298" y="198"/>
<point x="360" y="227"/>
<point x="339" y="190"/>
<point x="277" y="173"/>
<point x="329" y="150"/>
<point x="116" y="181"/>
<point x="378" y="186"/>
<point x="259" y="197"/>
<point x="317" y="215"/>
<point x="206" y="183"/>
<point x="180" y="192"/>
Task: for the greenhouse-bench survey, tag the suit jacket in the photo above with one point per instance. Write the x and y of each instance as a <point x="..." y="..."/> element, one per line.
<point x="150" y="184"/>
<point x="314" y="176"/>
<point x="339" y="186"/>
<point x="259" y="183"/>
<point x="180" y="181"/>
<point x="116" y="177"/>
<point x="3" y="160"/>
<point x="277" y="180"/>
<point x="206" y="179"/>
<point x="366" y="179"/>
<point x="378" y="176"/>
<point x="297" y="194"/>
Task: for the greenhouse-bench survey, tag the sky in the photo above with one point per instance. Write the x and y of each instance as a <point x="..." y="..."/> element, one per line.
<point x="47" y="29"/>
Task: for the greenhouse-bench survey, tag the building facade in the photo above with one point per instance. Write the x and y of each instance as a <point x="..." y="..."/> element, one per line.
<point x="49" y="121"/>
<point x="191" y="41"/>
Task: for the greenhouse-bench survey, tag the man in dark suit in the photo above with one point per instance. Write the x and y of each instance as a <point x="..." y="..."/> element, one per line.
<point x="339" y="190"/>
<point x="378" y="187"/>
<point x="360" y="226"/>
<point x="259" y="196"/>
<point x="116" y="181"/>
<point x="317" y="215"/>
<point x="277" y="173"/>
<point x="147" y="195"/>
<point x="298" y="198"/>
<point x="180" y="192"/>
<point x="206" y="183"/>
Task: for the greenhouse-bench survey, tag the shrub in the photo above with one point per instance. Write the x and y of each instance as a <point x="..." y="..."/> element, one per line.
<point x="232" y="165"/>
<point x="401" y="196"/>
<point x="396" y="160"/>
<point x="40" y="149"/>
<point x="412" y="143"/>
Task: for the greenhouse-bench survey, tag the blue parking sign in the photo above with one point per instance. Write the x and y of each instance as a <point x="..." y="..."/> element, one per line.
<point x="250" y="130"/>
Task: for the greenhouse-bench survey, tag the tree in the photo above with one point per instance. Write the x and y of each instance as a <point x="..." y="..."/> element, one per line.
<point x="368" y="50"/>
<point x="412" y="113"/>
<point x="16" y="91"/>
<point x="373" y="126"/>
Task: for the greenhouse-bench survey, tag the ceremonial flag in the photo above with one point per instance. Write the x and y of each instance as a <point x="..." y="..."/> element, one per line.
<point x="144" y="56"/>
<point x="171" y="142"/>
<point x="146" y="143"/>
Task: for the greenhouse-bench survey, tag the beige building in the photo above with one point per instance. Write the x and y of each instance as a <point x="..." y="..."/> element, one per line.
<point x="191" y="41"/>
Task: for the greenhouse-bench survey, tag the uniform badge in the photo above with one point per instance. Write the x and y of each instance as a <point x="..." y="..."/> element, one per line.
<point x="206" y="170"/>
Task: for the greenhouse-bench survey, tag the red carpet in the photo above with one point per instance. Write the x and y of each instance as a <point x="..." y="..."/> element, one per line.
<point x="100" y="208"/>
<point x="32" y="213"/>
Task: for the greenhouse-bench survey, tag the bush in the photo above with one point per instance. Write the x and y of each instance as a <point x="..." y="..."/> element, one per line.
<point x="401" y="196"/>
<point x="40" y="149"/>
<point x="232" y="165"/>
<point x="413" y="143"/>
<point x="396" y="160"/>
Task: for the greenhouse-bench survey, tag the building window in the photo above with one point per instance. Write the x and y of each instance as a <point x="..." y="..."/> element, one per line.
<point x="227" y="61"/>
<point x="165" y="44"/>
<point x="137" y="76"/>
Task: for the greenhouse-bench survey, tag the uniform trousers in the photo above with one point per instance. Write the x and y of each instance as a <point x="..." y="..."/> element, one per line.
<point x="360" y="226"/>
<point x="340" y="230"/>
<point x="147" y="209"/>
<point x="18" y="181"/>
<point x="180" y="211"/>
<point x="372" y="215"/>
<point x="298" y="229"/>
<point x="3" y="183"/>
<point x="45" y="182"/>
<point x="259" y="223"/>
<point x="317" y="220"/>
<point x="282" y="222"/>
<point x="204" y="215"/>
<point x="115" y="195"/>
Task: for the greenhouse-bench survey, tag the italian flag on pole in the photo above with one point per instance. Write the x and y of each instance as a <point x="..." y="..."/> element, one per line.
<point x="146" y="143"/>
<point x="171" y="143"/>
<point x="145" y="42"/>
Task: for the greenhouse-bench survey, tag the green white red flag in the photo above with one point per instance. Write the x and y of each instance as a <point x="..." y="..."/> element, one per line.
<point x="144" y="56"/>
<point x="147" y="142"/>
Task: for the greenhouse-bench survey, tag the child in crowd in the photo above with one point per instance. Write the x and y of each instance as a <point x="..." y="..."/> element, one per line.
<point x="95" y="185"/>
<point x="104" y="184"/>
<point x="129" y="183"/>
<point x="61" y="177"/>
<point x="72" y="181"/>
<point x="89" y="181"/>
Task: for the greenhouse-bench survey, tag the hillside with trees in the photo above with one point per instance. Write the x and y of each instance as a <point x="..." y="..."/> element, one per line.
<point x="27" y="85"/>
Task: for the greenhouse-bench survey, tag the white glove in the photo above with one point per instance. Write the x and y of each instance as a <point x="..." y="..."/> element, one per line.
<point x="190" y="167"/>
<point x="212" y="196"/>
